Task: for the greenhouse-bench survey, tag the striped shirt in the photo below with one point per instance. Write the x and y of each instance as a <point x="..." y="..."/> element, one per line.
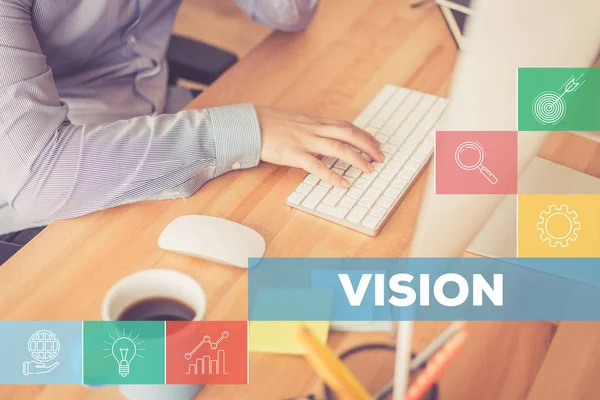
<point x="87" y="120"/>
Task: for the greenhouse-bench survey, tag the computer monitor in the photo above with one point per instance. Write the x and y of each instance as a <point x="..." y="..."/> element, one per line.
<point x="502" y="36"/>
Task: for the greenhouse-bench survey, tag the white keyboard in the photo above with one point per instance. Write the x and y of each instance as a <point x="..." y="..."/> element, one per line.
<point x="404" y="121"/>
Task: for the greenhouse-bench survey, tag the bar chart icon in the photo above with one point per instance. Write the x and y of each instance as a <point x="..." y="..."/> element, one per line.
<point x="205" y="364"/>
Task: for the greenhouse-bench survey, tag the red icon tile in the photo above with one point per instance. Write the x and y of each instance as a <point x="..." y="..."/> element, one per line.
<point x="207" y="352"/>
<point x="476" y="162"/>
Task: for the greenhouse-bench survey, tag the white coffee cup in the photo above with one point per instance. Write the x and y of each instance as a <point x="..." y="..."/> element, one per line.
<point x="154" y="283"/>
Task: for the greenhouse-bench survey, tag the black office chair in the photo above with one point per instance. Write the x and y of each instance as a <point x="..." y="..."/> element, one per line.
<point x="196" y="61"/>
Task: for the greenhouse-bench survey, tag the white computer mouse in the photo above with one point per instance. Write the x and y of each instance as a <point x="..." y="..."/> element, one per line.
<point x="212" y="238"/>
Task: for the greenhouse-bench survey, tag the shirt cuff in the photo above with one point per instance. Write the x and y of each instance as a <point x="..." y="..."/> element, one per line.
<point x="237" y="137"/>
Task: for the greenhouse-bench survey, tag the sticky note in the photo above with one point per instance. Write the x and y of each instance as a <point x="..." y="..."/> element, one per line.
<point x="269" y="330"/>
<point x="280" y="336"/>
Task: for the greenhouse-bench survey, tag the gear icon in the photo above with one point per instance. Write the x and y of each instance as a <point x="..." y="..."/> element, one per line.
<point x="555" y="214"/>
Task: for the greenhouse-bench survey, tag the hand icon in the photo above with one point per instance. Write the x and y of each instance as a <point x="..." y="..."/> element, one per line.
<point x="36" y="368"/>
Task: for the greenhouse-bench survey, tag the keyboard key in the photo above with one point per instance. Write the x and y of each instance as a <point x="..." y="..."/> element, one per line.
<point x="380" y="183"/>
<point x="325" y="184"/>
<point x="395" y="165"/>
<point x="413" y="140"/>
<point x="378" y="122"/>
<point x="338" y="171"/>
<point x="370" y="176"/>
<point x="385" y="202"/>
<point x="412" y="165"/>
<point x="388" y="129"/>
<point x="329" y="161"/>
<point x="392" y="192"/>
<point x="295" y="198"/>
<point x="372" y="130"/>
<point x="378" y="211"/>
<point x="362" y="183"/>
<point x="387" y="174"/>
<point x="382" y="138"/>
<point x="370" y="221"/>
<point x="312" y="179"/>
<point x="338" y="191"/>
<point x="373" y="192"/>
<point x="327" y="209"/>
<point x="342" y="211"/>
<point x="378" y="166"/>
<point x="366" y="202"/>
<point x="339" y="212"/>
<point x="361" y="121"/>
<point x="395" y="141"/>
<point x="389" y="148"/>
<point x="331" y="200"/>
<point x="405" y="174"/>
<point x="353" y="172"/>
<point x="424" y="148"/>
<point x="315" y="197"/>
<point x="355" y="193"/>
<point x="402" y="133"/>
<point x="347" y="202"/>
<point x="342" y="165"/>
<point x="418" y="158"/>
<point x="357" y="214"/>
<point x="399" y="183"/>
<point x="304" y="188"/>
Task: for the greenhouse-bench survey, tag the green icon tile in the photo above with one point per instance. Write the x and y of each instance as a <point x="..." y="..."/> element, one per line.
<point x="557" y="99"/>
<point x="123" y="352"/>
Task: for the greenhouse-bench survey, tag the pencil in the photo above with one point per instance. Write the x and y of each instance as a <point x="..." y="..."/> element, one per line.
<point x="403" y="355"/>
<point x="436" y="366"/>
<point x="329" y="367"/>
<point x="425" y="355"/>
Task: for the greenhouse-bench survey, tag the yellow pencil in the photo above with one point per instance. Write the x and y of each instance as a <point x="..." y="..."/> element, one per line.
<point x="329" y="367"/>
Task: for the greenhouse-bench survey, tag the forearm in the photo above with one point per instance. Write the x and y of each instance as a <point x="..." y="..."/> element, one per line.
<point x="91" y="167"/>
<point x="283" y="15"/>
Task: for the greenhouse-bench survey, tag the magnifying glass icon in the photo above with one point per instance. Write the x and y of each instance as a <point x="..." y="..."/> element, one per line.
<point x="469" y="156"/>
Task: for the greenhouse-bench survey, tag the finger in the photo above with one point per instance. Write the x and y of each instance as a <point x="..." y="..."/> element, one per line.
<point x="315" y="166"/>
<point x="336" y="149"/>
<point x="344" y="124"/>
<point x="354" y="136"/>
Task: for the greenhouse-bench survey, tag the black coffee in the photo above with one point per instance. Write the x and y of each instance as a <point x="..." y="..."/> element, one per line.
<point x="158" y="309"/>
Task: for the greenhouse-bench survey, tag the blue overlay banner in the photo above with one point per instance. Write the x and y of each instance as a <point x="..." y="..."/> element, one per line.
<point x="388" y="289"/>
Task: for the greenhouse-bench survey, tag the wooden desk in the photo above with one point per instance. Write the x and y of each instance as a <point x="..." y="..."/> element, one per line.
<point x="351" y="50"/>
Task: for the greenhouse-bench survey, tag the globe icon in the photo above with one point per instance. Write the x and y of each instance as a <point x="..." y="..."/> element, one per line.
<point x="43" y="346"/>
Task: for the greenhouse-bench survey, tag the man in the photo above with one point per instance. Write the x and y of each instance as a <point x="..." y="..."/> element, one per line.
<point x="88" y="122"/>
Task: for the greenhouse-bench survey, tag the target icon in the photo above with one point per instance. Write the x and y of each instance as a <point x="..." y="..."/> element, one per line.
<point x="549" y="108"/>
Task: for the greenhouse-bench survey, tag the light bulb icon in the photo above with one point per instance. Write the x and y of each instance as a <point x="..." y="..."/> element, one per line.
<point x="124" y="350"/>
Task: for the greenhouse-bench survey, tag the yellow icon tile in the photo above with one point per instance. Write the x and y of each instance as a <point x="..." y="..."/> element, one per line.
<point x="559" y="225"/>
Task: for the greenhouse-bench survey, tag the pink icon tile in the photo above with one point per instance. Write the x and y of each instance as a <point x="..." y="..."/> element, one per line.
<point x="476" y="162"/>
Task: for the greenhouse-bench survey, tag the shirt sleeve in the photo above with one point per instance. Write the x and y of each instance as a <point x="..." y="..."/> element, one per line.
<point x="52" y="169"/>
<point x="283" y="15"/>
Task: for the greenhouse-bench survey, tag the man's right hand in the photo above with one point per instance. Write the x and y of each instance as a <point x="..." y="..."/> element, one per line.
<point x="293" y="139"/>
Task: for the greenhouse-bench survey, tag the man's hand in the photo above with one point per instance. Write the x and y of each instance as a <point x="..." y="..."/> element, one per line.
<point x="293" y="139"/>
